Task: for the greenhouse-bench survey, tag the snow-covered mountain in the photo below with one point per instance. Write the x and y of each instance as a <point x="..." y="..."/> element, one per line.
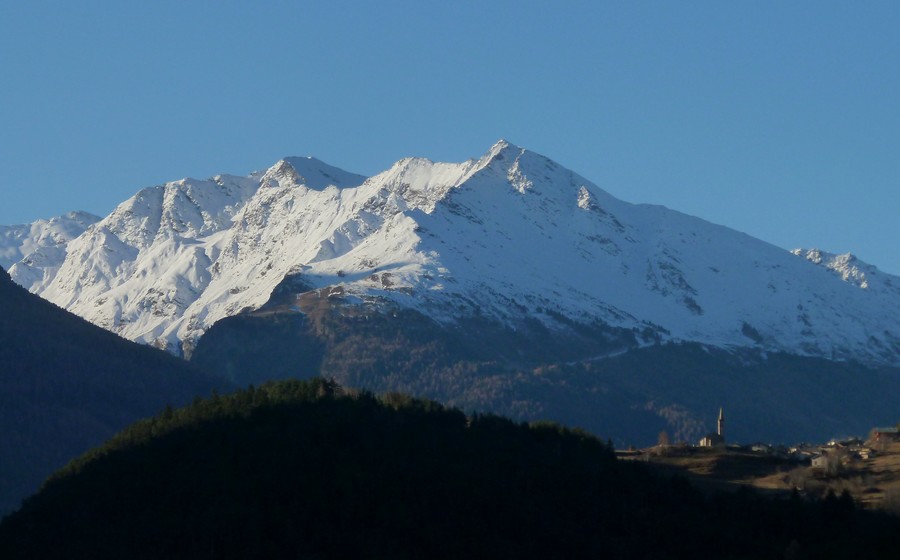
<point x="32" y="253"/>
<point x="509" y="236"/>
<point x="854" y="271"/>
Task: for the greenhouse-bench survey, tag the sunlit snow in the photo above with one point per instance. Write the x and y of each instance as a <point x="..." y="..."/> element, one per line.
<point x="508" y="235"/>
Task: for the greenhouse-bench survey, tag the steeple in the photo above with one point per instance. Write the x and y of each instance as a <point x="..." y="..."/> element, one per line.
<point x="721" y="423"/>
<point x="716" y="439"/>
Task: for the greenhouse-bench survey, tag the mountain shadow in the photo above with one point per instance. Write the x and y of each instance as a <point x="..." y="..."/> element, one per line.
<point x="595" y="377"/>
<point x="67" y="385"/>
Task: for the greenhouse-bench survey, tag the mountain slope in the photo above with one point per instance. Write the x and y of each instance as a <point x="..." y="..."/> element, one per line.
<point x="504" y="283"/>
<point x="853" y="271"/>
<point x="627" y="394"/>
<point x="511" y="236"/>
<point x="33" y="253"/>
<point x="67" y="385"/>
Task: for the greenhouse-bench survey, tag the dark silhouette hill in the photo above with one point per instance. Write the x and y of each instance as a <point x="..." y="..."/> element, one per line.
<point x="305" y="469"/>
<point x="67" y="385"/>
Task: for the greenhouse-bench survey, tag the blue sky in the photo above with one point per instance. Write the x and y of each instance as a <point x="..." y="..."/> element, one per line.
<point x="778" y="119"/>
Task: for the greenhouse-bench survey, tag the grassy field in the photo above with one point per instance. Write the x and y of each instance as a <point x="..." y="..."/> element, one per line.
<point x="873" y="483"/>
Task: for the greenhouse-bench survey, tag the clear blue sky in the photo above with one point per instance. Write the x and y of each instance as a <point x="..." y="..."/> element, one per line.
<point x="778" y="119"/>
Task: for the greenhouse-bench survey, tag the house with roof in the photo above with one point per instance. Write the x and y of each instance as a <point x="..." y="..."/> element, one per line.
<point x="885" y="434"/>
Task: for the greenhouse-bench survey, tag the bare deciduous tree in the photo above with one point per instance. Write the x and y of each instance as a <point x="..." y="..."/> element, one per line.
<point x="663" y="439"/>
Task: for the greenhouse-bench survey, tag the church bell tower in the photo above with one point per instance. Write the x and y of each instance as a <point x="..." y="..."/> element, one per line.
<point x="721" y="423"/>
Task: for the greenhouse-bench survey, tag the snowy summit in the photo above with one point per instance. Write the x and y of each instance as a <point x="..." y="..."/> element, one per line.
<point x="510" y="235"/>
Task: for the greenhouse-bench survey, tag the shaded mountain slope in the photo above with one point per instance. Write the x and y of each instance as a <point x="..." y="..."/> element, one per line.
<point x="306" y="470"/>
<point x="592" y="377"/>
<point x="67" y="385"/>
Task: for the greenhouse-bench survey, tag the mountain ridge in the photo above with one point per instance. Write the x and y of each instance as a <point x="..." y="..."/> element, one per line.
<point x="510" y="235"/>
<point x="35" y="250"/>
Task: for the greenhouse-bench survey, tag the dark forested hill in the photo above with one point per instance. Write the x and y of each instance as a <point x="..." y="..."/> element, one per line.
<point x="307" y="470"/>
<point x="67" y="385"/>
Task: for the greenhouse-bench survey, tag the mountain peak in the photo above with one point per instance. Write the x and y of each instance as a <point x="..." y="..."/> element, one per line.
<point x="312" y="173"/>
<point x="40" y="244"/>
<point x="500" y="151"/>
<point x="512" y="235"/>
<point x="81" y="217"/>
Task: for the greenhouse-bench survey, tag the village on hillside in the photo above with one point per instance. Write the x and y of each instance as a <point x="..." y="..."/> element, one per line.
<point x="868" y="470"/>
